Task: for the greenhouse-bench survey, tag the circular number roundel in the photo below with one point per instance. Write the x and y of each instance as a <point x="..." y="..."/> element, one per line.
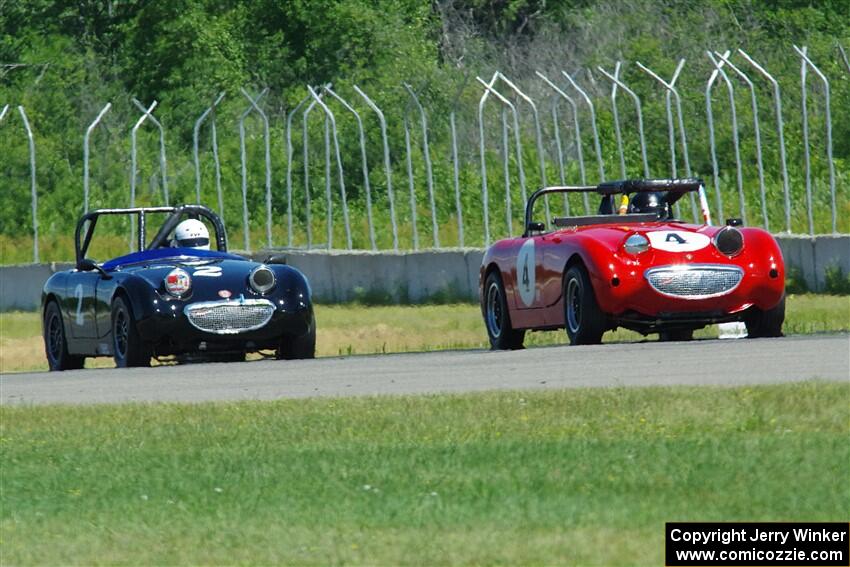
<point x="525" y="272"/>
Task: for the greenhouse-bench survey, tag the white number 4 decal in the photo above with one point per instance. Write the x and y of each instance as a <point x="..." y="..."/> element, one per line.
<point x="208" y="271"/>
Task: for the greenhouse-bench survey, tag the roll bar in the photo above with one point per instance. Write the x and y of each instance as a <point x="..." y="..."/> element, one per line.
<point x="674" y="188"/>
<point x="81" y="245"/>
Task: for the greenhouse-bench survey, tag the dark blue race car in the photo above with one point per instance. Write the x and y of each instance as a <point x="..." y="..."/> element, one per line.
<point x="174" y="297"/>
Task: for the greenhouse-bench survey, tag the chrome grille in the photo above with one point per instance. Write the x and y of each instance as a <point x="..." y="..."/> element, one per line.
<point x="695" y="281"/>
<point x="230" y="317"/>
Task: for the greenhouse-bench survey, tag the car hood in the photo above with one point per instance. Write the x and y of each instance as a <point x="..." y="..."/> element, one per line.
<point x="212" y="278"/>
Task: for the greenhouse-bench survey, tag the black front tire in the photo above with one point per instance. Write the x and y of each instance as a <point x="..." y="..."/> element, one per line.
<point x="497" y="319"/>
<point x="128" y="348"/>
<point x="298" y="347"/>
<point x="56" y="343"/>
<point x="765" y="323"/>
<point x="584" y="320"/>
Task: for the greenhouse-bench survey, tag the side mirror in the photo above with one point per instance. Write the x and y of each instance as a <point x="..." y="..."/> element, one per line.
<point x="89" y="265"/>
<point x="535" y="226"/>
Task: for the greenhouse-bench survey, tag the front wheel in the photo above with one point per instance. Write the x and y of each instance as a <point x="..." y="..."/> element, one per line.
<point x="496" y="317"/>
<point x="584" y="320"/>
<point x="298" y="347"/>
<point x="56" y="343"/>
<point x="765" y="323"/>
<point x="127" y="346"/>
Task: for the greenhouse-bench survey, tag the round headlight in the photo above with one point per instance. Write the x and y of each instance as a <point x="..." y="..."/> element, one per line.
<point x="729" y="241"/>
<point x="636" y="243"/>
<point x="262" y="279"/>
<point x="178" y="282"/>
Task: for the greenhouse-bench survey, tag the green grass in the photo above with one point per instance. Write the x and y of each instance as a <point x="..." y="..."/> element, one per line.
<point x="574" y="476"/>
<point x="356" y="329"/>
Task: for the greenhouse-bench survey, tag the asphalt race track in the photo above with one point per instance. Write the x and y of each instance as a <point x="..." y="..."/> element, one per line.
<point x="704" y="362"/>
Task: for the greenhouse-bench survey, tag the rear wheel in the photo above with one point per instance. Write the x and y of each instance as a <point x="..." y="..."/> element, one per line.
<point x="497" y="318"/>
<point x="584" y="320"/>
<point x="127" y="346"/>
<point x="765" y="323"/>
<point x="298" y="347"/>
<point x="55" y="342"/>
<point x="676" y="335"/>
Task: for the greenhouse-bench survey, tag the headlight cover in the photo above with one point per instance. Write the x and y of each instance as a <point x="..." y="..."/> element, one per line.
<point x="178" y="282"/>
<point x="636" y="243"/>
<point x="262" y="279"/>
<point x="729" y="241"/>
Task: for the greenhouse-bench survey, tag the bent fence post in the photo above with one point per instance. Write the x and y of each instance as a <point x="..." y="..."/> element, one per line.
<point x="577" y="129"/>
<point x="757" y="132"/>
<point x="484" y="196"/>
<point x="162" y="164"/>
<point x="429" y="176"/>
<point x="456" y="178"/>
<point x="844" y="57"/>
<point x="506" y="170"/>
<point x="617" y="132"/>
<point x="242" y="117"/>
<point x="217" y="164"/>
<point x="517" y="140"/>
<point x="306" y="153"/>
<point x="86" y="155"/>
<point x="735" y="142"/>
<point x="828" y="118"/>
<point x="33" y="190"/>
<point x="387" y="165"/>
<point x="330" y="116"/>
<point x="364" y="162"/>
<point x="133" y="172"/>
<point x="711" y="142"/>
<point x="670" y="87"/>
<point x="538" y="133"/>
<point x="596" y="144"/>
<point x="289" y="153"/>
<point x="777" y="104"/>
<point x="267" y="142"/>
<point x="3" y="112"/>
<point x="638" y="112"/>
<point x="195" y="142"/>
<point x="408" y="160"/>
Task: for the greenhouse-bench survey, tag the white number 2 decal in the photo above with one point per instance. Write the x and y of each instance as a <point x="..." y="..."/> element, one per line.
<point x="208" y="271"/>
<point x="79" y="317"/>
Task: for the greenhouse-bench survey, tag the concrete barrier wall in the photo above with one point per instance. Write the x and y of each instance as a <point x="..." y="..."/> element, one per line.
<point x="415" y="277"/>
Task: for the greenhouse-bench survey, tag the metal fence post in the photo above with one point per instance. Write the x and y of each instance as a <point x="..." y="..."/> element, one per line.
<point x="538" y="133"/>
<point x="306" y="153"/>
<point x="828" y="119"/>
<point x="517" y="140"/>
<point x="757" y="132"/>
<point x="162" y="164"/>
<point x="844" y="57"/>
<point x="31" y="140"/>
<point x="506" y="171"/>
<point x="429" y="176"/>
<point x="596" y="144"/>
<point x="456" y="178"/>
<point x="3" y="112"/>
<point x="735" y="142"/>
<point x="484" y="196"/>
<point x="617" y="133"/>
<point x="245" y="226"/>
<point x="408" y="160"/>
<point x="217" y="164"/>
<point x="712" y="146"/>
<point x="289" y="154"/>
<point x="777" y="103"/>
<point x="133" y="172"/>
<point x="577" y="129"/>
<point x="364" y="163"/>
<point x="266" y="139"/>
<point x="195" y="134"/>
<point x="86" y="155"/>
<point x="638" y="111"/>
<point x="330" y="116"/>
<point x="387" y="166"/>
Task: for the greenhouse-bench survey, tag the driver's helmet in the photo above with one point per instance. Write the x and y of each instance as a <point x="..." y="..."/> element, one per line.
<point x="191" y="233"/>
<point x="648" y="202"/>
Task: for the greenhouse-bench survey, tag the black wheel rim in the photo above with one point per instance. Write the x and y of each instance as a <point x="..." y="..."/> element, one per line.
<point x="494" y="310"/>
<point x="121" y="331"/>
<point x="573" y="305"/>
<point x="54" y="336"/>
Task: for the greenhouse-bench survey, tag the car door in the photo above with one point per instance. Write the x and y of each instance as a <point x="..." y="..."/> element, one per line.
<point x="528" y="273"/>
<point x="81" y="290"/>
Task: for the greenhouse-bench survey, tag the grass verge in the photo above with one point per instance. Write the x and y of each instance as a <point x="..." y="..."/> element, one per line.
<point x="564" y="477"/>
<point x="356" y="329"/>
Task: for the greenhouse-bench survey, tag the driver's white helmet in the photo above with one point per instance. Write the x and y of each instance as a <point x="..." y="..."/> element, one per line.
<point x="191" y="233"/>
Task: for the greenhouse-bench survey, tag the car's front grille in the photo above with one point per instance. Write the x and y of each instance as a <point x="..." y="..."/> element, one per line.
<point x="230" y="317"/>
<point x="695" y="281"/>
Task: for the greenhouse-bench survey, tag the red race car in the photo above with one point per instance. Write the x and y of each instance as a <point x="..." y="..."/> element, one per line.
<point x="632" y="265"/>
